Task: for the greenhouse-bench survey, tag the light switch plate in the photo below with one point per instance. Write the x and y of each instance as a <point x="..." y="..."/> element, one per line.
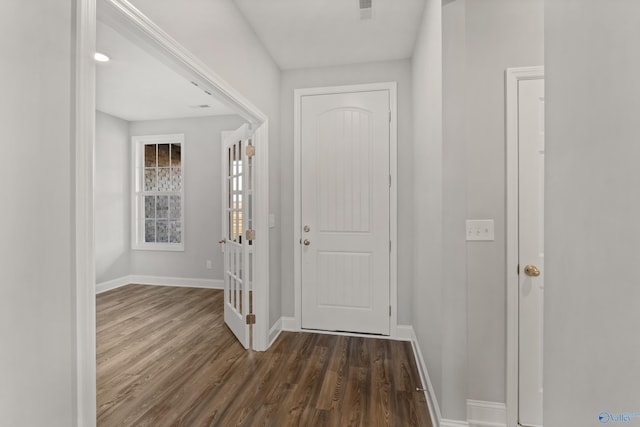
<point x="480" y="229"/>
<point x="272" y="220"/>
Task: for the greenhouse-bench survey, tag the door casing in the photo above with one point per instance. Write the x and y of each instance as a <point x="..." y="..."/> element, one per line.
<point x="393" y="195"/>
<point x="512" y="77"/>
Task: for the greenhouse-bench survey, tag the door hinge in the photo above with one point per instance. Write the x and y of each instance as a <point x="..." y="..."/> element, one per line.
<point x="389" y="180"/>
<point x="389" y="116"/>
<point x="518" y="269"/>
<point x="389" y="245"/>
<point x="250" y="150"/>
<point x="389" y="311"/>
<point x="251" y="319"/>
<point x="250" y="235"/>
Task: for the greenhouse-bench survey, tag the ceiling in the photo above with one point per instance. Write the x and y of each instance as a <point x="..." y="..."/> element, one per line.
<point x="134" y="85"/>
<point x="319" y="33"/>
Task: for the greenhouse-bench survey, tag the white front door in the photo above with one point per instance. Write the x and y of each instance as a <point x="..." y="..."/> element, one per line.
<point x="345" y="211"/>
<point x="531" y="249"/>
<point x="237" y="222"/>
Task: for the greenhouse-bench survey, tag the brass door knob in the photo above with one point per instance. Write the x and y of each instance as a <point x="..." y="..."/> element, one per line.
<point x="223" y="241"/>
<point x="531" y="270"/>
<point x="306" y="242"/>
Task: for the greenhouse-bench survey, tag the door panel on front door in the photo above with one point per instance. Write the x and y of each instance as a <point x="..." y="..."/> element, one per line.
<point x="345" y="208"/>
<point x="531" y="248"/>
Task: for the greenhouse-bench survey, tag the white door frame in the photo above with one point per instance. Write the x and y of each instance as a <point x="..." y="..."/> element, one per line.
<point x="124" y="15"/>
<point x="393" y="195"/>
<point x="512" y="77"/>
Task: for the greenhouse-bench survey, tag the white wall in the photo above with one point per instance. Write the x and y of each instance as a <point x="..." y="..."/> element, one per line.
<point x="454" y="205"/>
<point x="202" y="181"/>
<point x="479" y="40"/>
<point x="427" y="153"/>
<point x="500" y="34"/>
<point x="202" y="193"/>
<point x="399" y="71"/>
<point x="482" y="39"/>
<point x="218" y="34"/>
<point x="592" y="354"/>
<point x="37" y="362"/>
<point x="112" y="198"/>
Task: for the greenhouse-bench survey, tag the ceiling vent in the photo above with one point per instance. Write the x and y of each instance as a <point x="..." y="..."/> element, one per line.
<point x="365" y="9"/>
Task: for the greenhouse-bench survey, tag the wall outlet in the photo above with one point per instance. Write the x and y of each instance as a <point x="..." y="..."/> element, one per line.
<point x="209" y="264"/>
<point x="480" y="229"/>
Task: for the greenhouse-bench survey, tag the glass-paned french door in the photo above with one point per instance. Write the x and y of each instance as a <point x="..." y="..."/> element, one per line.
<point x="238" y="235"/>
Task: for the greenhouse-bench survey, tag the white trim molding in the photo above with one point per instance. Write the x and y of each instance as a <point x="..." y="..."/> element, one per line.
<point x="393" y="194"/>
<point x="275" y="331"/>
<point x="83" y="292"/>
<point x="432" y="402"/>
<point x="512" y="78"/>
<point x="177" y="282"/>
<point x="486" y="414"/>
<point x="112" y="284"/>
<point x="453" y="423"/>
<point x="123" y="16"/>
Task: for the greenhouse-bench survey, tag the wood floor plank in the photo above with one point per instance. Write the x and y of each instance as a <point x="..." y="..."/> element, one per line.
<point x="165" y="358"/>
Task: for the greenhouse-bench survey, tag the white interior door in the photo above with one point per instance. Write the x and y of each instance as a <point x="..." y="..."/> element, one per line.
<point x="237" y="231"/>
<point x="345" y="212"/>
<point x="531" y="249"/>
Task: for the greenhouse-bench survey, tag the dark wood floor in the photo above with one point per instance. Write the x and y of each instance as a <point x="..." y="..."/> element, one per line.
<point x="165" y="358"/>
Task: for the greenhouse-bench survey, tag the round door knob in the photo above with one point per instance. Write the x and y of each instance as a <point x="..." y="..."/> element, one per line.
<point x="531" y="270"/>
<point x="307" y="242"/>
<point x="222" y="241"/>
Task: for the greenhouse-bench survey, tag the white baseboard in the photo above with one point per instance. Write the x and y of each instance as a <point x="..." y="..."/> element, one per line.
<point x="432" y="402"/>
<point x="159" y="281"/>
<point x="177" y="282"/>
<point x="112" y="284"/>
<point x="274" y="332"/>
<point x="453" y="423"/>
<point x="486" y="414"/>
